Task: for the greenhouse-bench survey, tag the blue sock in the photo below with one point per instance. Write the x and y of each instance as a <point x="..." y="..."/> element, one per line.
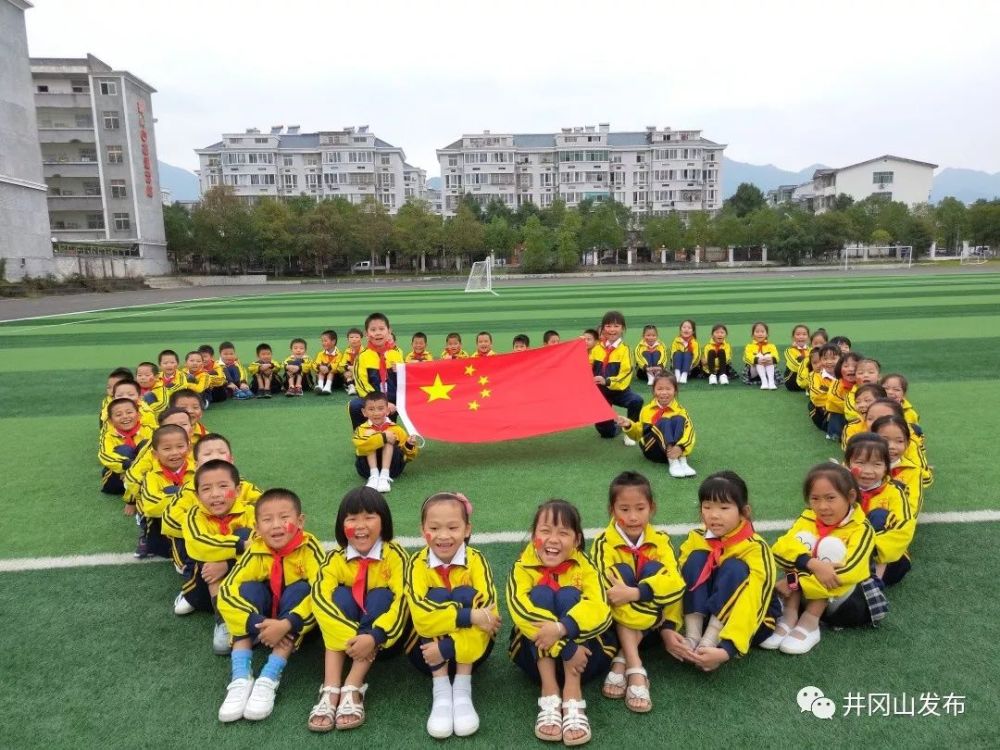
<point x="241" y="663"/>
<point x="272" y="670"/>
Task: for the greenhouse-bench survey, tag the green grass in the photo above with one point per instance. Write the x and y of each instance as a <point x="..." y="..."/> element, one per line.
<point x="99" y="659"/>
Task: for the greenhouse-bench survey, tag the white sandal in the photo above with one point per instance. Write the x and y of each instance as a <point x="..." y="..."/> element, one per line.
<point x="575" y="720"/>
<point x="615" y="680"/>
<point x="348" y="707"/>
<point x="549" y="716"/>
<point x="324" y="709"/>
<point x="773" y="641"/>
<point x="638" y="692"/>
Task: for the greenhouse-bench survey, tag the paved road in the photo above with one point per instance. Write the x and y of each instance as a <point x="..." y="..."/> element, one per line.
<point x="19" y="309"/>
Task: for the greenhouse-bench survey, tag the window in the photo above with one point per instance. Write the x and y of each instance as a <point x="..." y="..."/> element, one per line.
<point x="286" y="160"/>
<point x="260" y="158"/>
<point x="79" y="86"/>
<point x="312" y="160"/>
<point x="42" y="89"/>
<point x="118" y="189"/>
<point x="640" y="158"/>
<point x="91" y="187"/>
<point x="389" y="200"/>
<point x="385" y="161"/>
<point x="639" y="197"/>
<point x="882" y="178"/>
<point x="111" y="120"/>
<point x="122" y="222"/>
<point x="87" y="154"/>
<point x="109" y="88"/>
<point x="213" y="180"/>
<point x="235" y="141"/>
<point x="260" y="140"/>
<point x="452" y="181"/>
<point x="360" y="157"/>
<point x="238" y="158"/>
<point x="312" y="181"/>
<point x="83" y="121"/>
<point x="95" y="221"/>
<point x="262" y="179"/>
<point x="452" y="161"/>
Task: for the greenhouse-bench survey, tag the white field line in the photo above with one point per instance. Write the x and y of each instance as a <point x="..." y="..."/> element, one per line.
<point x="17" y="565"/>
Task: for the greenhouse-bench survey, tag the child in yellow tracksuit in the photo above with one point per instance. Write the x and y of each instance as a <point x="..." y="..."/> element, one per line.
<point x="828" y="556"/>
<point x="885" y="504"/>
<point x="902" y="464"/>
<point x="345" y="367"/>
<point x="382" y="447"/>
<point x="359" y="604"/>
<point x="729" y="573"/>
<point x="644" y="587"/>
<point x="122" y="438"/>
<point x="325" y="362"/>
<point x="796" y="355"/>
<point x="453" y="602"/>
<point x="418" y="349"/>
<point x="560" y="612"/>
<point x="760" y="357"/>
<point x="170" y="468"/>
<point x="843" y="384"/>
<point x="297" y="366"/>
<point x="650" y="354"/>
<point x="684" y="351"/>
<point x="717" y="356"/>
<point x="821" y="380"/>
<point x="611" y="364"/>
<point x="266" y="598"/>
<point x="167" y="381"/>
<point x="664" y="430"/>
<point x="864" y="396"/>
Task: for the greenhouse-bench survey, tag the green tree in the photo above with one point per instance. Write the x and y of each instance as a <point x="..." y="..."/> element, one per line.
<point x="223" y="230"/>
<point x="747" y="199"/>
<point x="500" y="237"/>
<point x="374" y="233"/>
<point x="475" y="207"/>
<point x="463" y="234"/>
<point x="729" y="228"/>
<point x="178" y="226"/>
<point x="831" y="230"/>
<point x="842" y="202"/>
<point x="984" y="223"/>
<point x="663" y="231"/>
<point x="526" y="210"/>
<point x="880" y="237"/>
<point x="272" y="222"/>
<point x="762" y="226"/>
<point x="699" y="230"/>
<point x="567" y="242"/>
<point x="793" y="237"/>
<point x="496" y="209"/>
<point x="417" y="231"/>
<point x="553" y="216"/>
<point x="951" y="219"/>
<point x="602" y="227"/>
<point x="538" y="256"/>
<point x="330" y="231"/>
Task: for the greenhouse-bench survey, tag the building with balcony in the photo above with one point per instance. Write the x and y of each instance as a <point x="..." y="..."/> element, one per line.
<point x="351" y="163"/>
<point x="25" y="244"/>
<point x="654" y="172"/>
<point x="98" y="157"/>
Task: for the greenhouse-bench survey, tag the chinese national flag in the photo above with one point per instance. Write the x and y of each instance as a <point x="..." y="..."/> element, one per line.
<point x="504" y="397"/>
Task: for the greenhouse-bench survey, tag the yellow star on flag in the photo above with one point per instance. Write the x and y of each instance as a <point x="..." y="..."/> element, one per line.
<point x="485" y="393"/>
<point x="473" y="405"/>
<point x="484" y="380"/>
<point x="469" y="370"/>
<point x="437" y="390"/>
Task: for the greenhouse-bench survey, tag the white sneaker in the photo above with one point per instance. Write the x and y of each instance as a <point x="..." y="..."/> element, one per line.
<point x="763" y="386"/>
<point x="220" y="639"/>
<point x="383" y="484"/>
<point x="684" y="377"/>
<point x="182" y="606"/>
<point x="688" y="471"/>
<point x="675" y="469"/>
<point x="440" y="724"/>
<point x="792" y="645"/>
<point x="723" y="379"/>
<point x="237" y="695"/>
<point x="466" y="718"/>
<point x="712" y="379"/>
<point x="261" y="701"/>
<point x="772" y="387"/>
<point x="629" y="442"/>
<point x="773" y="641"/>
<point x="351" y="391"/>
<point x="650" y="377"/>
<point x="372" y="482"/>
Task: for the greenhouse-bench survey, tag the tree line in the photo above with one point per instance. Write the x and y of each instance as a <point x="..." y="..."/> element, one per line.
<point x="300" y="236"/>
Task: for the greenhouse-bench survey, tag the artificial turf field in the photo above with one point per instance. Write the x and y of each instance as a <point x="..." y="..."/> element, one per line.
<point x="95" y="657"/>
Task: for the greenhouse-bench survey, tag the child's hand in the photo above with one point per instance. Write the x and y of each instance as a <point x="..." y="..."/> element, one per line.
<point x="129" y="509"/>
<point x="825" y="572"/>
<point x="213" y="572"/>
<point x="392" y="408"/>
<point x="431" y="653"/>
<point x="391" y="438"/>
<point x="548" y="635"/>
<point x="578" y="661"/>
<point x="623" y="422"/>
<point x="709" y="659"/>
<point x="487" y="620"/>
<point x="272" y="632"/>
<point x="620" y="592"/>
<point x="361" y="648"/>
<point x="599" y="380"/>
<point x="783" y="589"/>
<point x="677" y="645"/>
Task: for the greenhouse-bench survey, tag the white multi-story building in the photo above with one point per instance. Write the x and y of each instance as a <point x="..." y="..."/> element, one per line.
<point x="95" y="128"/>
<point x="653" y="172"/>
<point x="891" y="178"/>
<point x="350" y="163"/>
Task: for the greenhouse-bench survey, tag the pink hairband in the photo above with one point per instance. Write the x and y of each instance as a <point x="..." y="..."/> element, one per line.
<point x="464" y="501"/>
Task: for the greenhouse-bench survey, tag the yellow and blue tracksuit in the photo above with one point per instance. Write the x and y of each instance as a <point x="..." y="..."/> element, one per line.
<point x="441" y="598"/>
<point x="739" y="591"/>
<point x="909" y="473"/>
<point x="716" y="358"/>
<point x="158" y="396"/>
<point x="209" y="538"/>
<point x="368" y="438"/>
<point x="574" y="598"/>
<point x="368" y="378"/>
<point x="648" y="565"/>
<point x="246" y="599"/>
<point x="820" y="382"/>
<point x="412" y="356"/>
<point x="889" y="512"/>
<point x="462" y="354"/>
<point x="613" y="361"/>
<point x="754" y="351"/>
<point x="158" y="488"/>
<point x="684" y="354"/>
<point x="794" y="357"/>
<point x="382" y="614"/>
<point x="835" y="419"/>
<point x="116" y="455"/>
<point x="649" y="356"/>
<point x="660" y="427"/>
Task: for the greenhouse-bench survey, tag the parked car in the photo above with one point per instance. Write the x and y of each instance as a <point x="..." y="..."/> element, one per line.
<point x="365" y="266"/>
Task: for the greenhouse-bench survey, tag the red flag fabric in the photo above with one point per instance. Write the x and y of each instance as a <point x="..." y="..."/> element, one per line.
<point x="505" y="397"/>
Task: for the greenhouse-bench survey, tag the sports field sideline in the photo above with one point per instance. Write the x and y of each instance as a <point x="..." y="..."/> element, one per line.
<point x="100" y="642"/>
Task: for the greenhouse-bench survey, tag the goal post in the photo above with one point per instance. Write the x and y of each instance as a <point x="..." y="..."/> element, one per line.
<point x="974" y="256"/>
<point x="481" y="276"/>
<point x="860" y="256"/>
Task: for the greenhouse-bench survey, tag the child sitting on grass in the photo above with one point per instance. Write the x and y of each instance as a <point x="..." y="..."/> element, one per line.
<point x="382" y="447"/>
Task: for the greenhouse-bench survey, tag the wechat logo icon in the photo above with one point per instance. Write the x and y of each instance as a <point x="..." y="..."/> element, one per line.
<point x="812" y="700"/>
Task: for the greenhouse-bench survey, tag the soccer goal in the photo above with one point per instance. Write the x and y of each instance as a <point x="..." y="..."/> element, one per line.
<point x="481" y="276"/>
<point x="974" y="256"/>
<point x="860" y="256"/>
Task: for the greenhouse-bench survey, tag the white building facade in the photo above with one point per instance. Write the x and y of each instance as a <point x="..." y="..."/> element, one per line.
<point x="654" y="172"/>
<point x="350" y="163"/>
<point x="98" y="149"/>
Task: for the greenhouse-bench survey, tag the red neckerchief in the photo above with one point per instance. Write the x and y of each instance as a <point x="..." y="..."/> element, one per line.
<point x="129" y="436"/>
<point x="824" y="531"/>
<point x="176" y="478"/>
<point x="419" y="357"/>
<point x="277" y="575"/>
<point x="639" y="558"/>
<point x="608" y="350"/>
<point x="383" y="368"/>
<point x="223" y="522"/>
<point x="688" y="346"/>
<point x="382" y="427"/>
<point x="761" y="345"/>
<point x="652" y="347"/>
<point x="846" y="386"/>
<point x="550" y="575"/>
<point x="867" y="495"/>
<point x="480" y="354"/>
<point x="896" y="471"/>
<point x="719" y="347"/>
<point x="361" y="582"/>
<point x="168" y="382"/>
<point x="352" y="354"/>
<point x="658" y="414"/>
<point x="717" y="547"/>
<point x="443" y="571"/>
<point x="210" y="367"/>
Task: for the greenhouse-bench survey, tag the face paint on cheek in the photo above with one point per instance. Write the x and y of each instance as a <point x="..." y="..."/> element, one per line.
<point x="230" y="494"/>
<point x="428" y="536"/>
<point x="538" y="542"/>
<point x="349" y="532"/>
<point x="856" y="471"/>
<point x="290" y="527"/>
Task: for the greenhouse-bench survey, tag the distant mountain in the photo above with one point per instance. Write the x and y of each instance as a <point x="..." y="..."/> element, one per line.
<point x="765" y="176"/>
<point x="183" y="185"/>
<point x="968" y="185"/>
<point x="434" y="183"/>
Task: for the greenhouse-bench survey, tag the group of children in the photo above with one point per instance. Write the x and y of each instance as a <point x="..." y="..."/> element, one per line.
<point x="244" y="555"/>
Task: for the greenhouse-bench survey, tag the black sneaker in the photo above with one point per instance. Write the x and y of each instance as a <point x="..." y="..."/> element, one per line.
<point x="142" y="548"/>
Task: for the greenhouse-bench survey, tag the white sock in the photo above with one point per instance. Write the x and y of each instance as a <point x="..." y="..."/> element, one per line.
<point x="441" y="689"/>
<point x="374" y="472"/>
<point x="768" y="370"/>
<point x="693" y="625"/>
<point x="677" y="375"/>
<point x="462" y="684"/>
<point x="384" y="474"/>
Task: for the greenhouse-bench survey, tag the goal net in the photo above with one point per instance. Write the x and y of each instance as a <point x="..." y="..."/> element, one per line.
<point x="974" y="256"/>
<point x="860" y="256"/>
<point x="481" y="276"/>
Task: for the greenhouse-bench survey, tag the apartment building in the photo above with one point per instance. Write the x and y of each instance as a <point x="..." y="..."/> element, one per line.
<point x="351" y="163"/>
<point x="655" y="172"/>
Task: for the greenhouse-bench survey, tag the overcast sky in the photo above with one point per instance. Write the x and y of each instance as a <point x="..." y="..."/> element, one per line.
<point x="788" y="83"/>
